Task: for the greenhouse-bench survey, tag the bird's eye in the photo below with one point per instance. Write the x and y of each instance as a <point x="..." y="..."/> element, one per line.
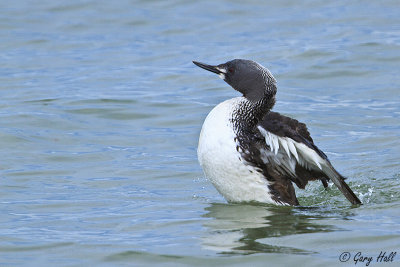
<point x="231" y="70"/>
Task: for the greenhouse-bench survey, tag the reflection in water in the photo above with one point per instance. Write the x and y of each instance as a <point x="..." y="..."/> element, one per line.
<point x="238" y="229"/>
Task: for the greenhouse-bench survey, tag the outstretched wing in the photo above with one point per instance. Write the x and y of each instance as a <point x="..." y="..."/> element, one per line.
<point x="284" y="126"/>
<point x="290" y="152"/>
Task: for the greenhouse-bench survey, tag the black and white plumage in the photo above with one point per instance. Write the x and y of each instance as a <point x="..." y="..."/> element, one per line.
<point x="250" y="153"/>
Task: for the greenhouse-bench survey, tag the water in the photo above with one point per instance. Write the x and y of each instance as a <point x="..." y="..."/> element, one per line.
<point x="101" y="107"/>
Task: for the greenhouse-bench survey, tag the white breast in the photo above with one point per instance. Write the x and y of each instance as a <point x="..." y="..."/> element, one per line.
<point x="221" y="162"/>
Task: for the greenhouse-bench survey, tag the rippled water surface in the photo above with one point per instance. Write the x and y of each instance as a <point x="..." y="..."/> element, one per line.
<point x="101" y="108"/>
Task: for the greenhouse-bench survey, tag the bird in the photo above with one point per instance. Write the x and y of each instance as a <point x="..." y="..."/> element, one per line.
<point x="253" y="154"/>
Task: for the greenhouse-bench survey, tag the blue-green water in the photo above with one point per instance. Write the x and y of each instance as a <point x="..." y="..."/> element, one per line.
<point x="101" y="107"/>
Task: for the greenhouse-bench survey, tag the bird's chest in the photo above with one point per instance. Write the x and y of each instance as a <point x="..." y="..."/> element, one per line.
<point x="220" y="156"/>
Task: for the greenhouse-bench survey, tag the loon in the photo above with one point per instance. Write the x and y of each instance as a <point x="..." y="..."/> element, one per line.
<point x="252" y="154"/>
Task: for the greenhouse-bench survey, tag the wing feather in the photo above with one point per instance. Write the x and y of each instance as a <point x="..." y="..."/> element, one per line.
<point x="285" y="137"/>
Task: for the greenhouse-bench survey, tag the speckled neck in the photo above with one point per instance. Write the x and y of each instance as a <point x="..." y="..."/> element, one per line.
<point x="247" y="114"/>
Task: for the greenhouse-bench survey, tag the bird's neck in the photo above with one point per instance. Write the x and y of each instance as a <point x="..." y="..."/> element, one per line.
<point x="248" y="113"/>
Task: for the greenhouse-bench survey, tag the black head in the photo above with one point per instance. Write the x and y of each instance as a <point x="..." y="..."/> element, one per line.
<point x="246" y="76"/>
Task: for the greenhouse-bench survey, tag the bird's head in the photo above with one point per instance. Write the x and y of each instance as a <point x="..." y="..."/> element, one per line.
<point x="246" y="76"/>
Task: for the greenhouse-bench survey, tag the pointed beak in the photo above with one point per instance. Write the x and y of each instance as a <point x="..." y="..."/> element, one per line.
<point x="214" y="69"/>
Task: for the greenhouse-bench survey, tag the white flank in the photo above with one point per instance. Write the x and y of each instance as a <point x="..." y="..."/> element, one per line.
<point x="271" y="140"/>
<point x="304" y="155"/>
<point x="284" y="144"/>
<point x="293" y="149"/>
<point x="309" y="155"/>
<point x="275" y="142"/>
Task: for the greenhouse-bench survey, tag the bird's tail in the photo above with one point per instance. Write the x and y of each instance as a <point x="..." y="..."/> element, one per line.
<point x="338" y="180"/>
